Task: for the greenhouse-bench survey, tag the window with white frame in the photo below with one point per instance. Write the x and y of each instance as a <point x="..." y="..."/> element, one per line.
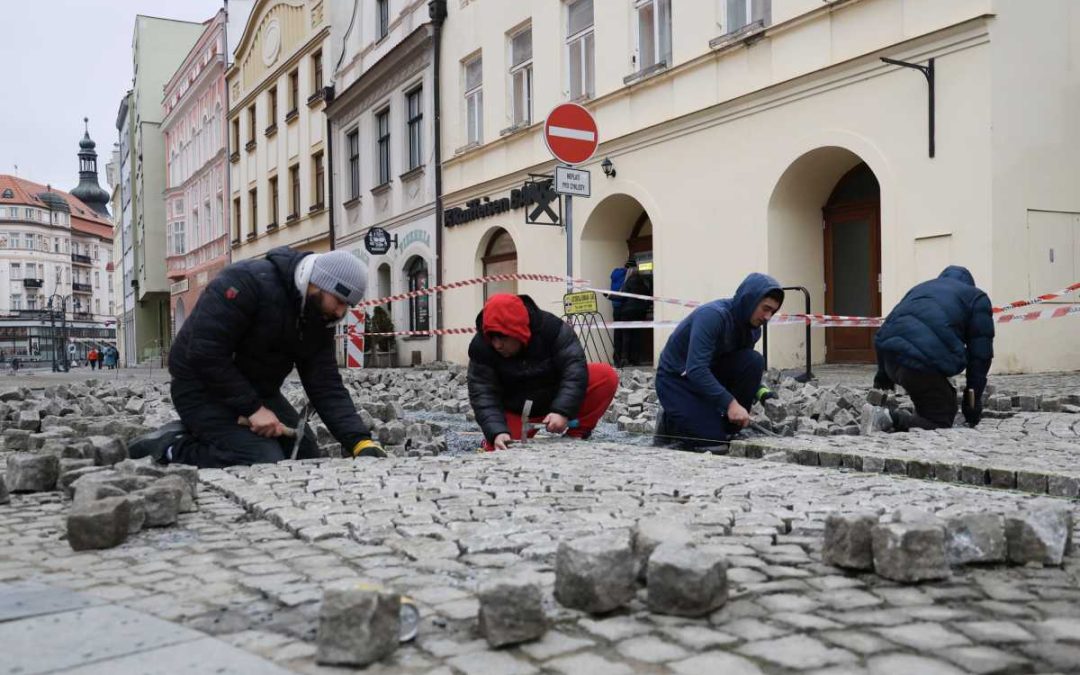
<point x="16" y="271"/>
<point x="353" y="138"/>
<point x="580" y="49"/>
<point x="382" y="133"/>
<point x="16" y="301"/>
<point x="474" y="100"/>
<point x="178" y="237"/>
<point x="414" y="108"/>
<point x="653" y="33"/>
<point x="521" y="77"/>
<point x="742" y="13"/>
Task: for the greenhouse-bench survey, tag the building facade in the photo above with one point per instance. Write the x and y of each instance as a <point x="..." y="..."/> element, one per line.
<point x="277" y="129"/>
<point x="196" y="171"/>
<point x="749" y="135"/>
<point x="159" y="46"/>
<point x="383" y="157"/>
<point x="55" y="268"/>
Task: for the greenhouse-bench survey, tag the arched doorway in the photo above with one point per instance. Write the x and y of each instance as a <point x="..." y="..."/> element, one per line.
<point x="500" y="257"/>
<point x="824" y="233"/>
<point x="416" y="273"/>
<point x="383" y="277"/>
<point x="179" y="316"/>
<point x="852" y="244"/>
<point x="617" y="230"/>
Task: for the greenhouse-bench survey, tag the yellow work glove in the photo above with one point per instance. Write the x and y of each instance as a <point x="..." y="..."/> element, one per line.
<point x="368" y="448"/>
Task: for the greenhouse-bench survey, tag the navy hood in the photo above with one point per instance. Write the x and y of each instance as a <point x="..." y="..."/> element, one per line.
<point x="751" y="292"/>
<point x="957" y="273"/>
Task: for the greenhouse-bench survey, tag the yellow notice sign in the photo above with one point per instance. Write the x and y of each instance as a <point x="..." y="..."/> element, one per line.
<point x="579" y="303"/>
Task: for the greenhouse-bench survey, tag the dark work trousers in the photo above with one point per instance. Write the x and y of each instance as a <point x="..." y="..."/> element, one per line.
<point x="616" y="340"/>
<point x="216" y="440"/>
<point x="932" y="394"/>
<point x="628" y="341"/>
<point x="689" y="415"/>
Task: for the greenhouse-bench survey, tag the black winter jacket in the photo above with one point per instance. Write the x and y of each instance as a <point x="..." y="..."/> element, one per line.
<point x="246" y="334"/>
<point x="944" y="325"/>
<point x="550" y="371"/>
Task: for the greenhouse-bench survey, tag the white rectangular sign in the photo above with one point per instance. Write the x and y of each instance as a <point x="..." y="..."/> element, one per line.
<point x="576" y="182"/>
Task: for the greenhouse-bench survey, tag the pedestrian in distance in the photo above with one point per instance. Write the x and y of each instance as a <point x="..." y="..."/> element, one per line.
<point x="629" y="341"/>
<point x="941" y="328"/>
<point x="252" y="324"/>
<point x="522" y="353"/>
<point x="618" y="277"/>
<point x="92" y="358"/>
<point x="709" y="374"/>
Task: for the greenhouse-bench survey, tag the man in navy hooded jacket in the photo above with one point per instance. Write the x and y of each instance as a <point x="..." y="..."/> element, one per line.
<point x="939" y="329"/>
<point x="709" y="373"/>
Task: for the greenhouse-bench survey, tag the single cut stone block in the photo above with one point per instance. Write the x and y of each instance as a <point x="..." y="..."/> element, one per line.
<point x="4" y="496"/>
<point x="512" y="610"/>
<point x="32" y="473"/>
<point x="162" y="504"/>
<point x="848" y="541"/>
<point x="103" y="523"/>
<point x="975" y="538"/>
<point x="595" y="574"/>
<point x="187" y="501"/>
<point x="358" y="626"/>
<point x="1038" y="536"/>
<point x="1032" y="481"/>
<point x="684" y="580"/>
<point x="1063" y="486"/>
<point x="653" y="531"/>
<point x="108" y="450"/>
<point x="909" y="552"/>
<point x="28" y="420"/>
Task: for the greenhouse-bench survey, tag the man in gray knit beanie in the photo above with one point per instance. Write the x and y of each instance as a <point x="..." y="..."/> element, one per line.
<point x="255" y="322"/>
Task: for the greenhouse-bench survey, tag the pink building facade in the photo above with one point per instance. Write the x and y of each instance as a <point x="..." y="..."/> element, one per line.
<point x="197" y="214"/>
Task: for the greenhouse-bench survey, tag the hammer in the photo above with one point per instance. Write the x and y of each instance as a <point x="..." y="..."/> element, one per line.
<point x="296" y="434"/>
<point x="526" y="425"/>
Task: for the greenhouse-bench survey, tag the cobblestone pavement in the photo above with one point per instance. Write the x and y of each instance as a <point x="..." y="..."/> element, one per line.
<point x="250" y="565"/>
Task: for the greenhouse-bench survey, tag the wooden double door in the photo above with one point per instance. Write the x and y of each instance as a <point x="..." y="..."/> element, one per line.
<point x="852" y="277"/>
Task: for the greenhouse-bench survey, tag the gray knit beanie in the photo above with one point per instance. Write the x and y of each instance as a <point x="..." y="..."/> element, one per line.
<point x="340" y="274"/>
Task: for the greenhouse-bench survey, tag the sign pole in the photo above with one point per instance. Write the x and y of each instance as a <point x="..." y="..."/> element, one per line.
<point x="569" y="222"/>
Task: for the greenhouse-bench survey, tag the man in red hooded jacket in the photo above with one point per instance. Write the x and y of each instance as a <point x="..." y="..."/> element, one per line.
<point x="522" y="353"/>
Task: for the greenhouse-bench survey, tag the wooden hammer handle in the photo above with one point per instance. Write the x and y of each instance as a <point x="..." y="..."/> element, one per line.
<point x="287" y="433"/>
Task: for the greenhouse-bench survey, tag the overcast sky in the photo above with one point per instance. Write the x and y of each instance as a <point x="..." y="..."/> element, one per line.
<point x="65" y="60"/>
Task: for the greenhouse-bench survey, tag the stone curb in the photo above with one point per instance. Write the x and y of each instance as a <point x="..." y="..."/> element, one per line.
<point x="1049" y="483"/>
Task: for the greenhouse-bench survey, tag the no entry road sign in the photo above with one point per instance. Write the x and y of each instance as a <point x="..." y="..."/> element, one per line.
<point x="570" y="133"/>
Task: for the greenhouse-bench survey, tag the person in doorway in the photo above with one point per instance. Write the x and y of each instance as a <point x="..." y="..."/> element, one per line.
<point x="92" y="358"/>
<point x="939" y="329"/>
<point x="630" y="340"/>
<point x="709" y="374"/>
<point x="252" y="324"/>
<point x="618" y="276"/>
<point x="523" y="353"/>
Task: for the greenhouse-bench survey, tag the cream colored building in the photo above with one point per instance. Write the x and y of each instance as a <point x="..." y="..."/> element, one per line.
<point x="277" y="129"/>
<point x="752" y="135"/>
<point x="381" y="119"/>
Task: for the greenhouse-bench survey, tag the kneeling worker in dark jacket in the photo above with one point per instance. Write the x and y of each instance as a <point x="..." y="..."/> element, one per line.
<point x="940" y="328"/>
<point x="709" y="374"/>
<point x="522" y="353"/>
<point x="254" y="322"/>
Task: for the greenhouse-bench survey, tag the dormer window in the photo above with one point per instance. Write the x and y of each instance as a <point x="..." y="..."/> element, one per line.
<point x="8" y="194"/>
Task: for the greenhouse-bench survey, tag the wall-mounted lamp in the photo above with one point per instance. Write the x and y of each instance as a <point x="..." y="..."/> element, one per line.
<point x="608" y="167"/>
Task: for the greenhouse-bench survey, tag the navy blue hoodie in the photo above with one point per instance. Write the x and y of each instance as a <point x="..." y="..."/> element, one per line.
<point x="711" y="331"/>
<point x="944" y="325"/>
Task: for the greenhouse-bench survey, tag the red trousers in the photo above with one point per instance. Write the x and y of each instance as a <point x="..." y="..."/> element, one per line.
<point x="603" y="381"/>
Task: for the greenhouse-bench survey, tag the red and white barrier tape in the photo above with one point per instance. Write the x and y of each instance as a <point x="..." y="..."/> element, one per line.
<point x="1038" y="300"/>
<point x="470" y="282"/>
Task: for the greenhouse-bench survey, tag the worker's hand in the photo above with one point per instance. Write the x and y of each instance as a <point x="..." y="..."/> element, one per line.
<point x="501" y="442"/>
<point x="368" y="448"/>
<point x="555" y="423"/>
<point x="737" y="414"/>
<point x="883" y="382"/>
<point x="266" y="424"/>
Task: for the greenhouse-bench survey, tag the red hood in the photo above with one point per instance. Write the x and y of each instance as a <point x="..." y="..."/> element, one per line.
<point x="506" y="314"/>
